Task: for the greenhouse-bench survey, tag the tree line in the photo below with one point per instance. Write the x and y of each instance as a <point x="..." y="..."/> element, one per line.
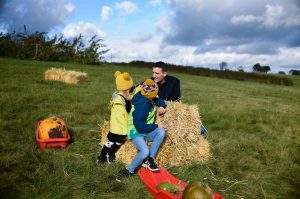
<point x="39" y="46"/>
<point x="226" y="74"/>
<point x="257" y="68"/>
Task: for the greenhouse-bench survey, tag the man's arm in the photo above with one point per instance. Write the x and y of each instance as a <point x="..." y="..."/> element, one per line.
<point x="176" y="91"/>
<point x="159" y="102"/>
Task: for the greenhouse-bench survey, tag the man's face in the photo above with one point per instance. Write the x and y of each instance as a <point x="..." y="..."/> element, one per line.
<point x="158" y="75"/>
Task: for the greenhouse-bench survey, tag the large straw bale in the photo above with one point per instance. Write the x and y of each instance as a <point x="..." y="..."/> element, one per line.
<point x="66" y="76"/>
<point x="53" y="74"/>
<point x="183" y="143"/>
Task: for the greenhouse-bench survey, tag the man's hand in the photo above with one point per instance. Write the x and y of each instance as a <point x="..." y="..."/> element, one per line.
<point x="161" y="110"/>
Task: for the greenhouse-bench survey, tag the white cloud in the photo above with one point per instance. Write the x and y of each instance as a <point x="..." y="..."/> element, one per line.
<point x="242" y="19"/>
<point x="163" y="25"/>
<point x="274" y="16"/>
<point x="141" y="37"/>
<point x="87" y="30"/>
<point x="126" y="7"/>
<point x="289" y="55"/>
<point x="285" y="59"/>
<point x="105" y="12"/>
<point x="293" y="21"/>
<point x="278" y="16"/>
<point x="124" y="50"/>
<point x="69" y="7"/>
<point x="3" y="28"/>
<point x="241" y="33"/>
<point x="39" y="16"/>
<point x="253" y="27"/>
<point x="155" y="2"/>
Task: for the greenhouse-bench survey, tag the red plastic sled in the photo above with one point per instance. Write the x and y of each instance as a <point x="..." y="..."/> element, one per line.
<point x="152" y="179"/>
<point x="51" y="142"/>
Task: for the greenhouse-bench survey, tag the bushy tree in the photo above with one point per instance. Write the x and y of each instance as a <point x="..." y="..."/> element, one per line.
<point x="92" y="54"/>
<point x="281" y="72"/>
<point x="256" y="67"/>
<point x="38" y="46"/>
<point x="265" y="69"/>
<point x="262" y="69"/>
<point x="8" y="47"/>
<point x="294" y="72"/>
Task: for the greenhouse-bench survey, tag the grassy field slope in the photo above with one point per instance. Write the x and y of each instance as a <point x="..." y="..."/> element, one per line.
<point x="254" y="132"/>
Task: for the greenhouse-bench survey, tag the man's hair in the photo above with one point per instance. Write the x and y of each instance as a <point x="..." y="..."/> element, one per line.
<point x="162" y="66"/>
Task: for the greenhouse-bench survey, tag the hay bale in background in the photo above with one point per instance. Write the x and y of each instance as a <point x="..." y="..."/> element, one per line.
<point x="66" y="76"/>
<point x="53" y="74"/>
<point x="183" y="143"/>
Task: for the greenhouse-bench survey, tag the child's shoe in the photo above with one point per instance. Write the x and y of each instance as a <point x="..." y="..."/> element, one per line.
<point x="110" y="158"/>
<point x="123" y="174"/>
<point x="100" y="160"/>
<point x="150" y="164"/>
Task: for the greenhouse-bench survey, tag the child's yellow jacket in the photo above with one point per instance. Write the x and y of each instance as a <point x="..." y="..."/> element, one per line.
<point x="118" y="116"/>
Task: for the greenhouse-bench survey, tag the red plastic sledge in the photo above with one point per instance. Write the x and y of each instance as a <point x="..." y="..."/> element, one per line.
<point x="51" y="142"/>
<point x="152" y="179"/>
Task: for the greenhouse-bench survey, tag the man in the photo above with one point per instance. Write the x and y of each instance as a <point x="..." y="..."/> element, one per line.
<point x="169" y="87"/>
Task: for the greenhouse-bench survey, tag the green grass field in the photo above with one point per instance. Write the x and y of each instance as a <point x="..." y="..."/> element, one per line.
<point x="254" y="133"/>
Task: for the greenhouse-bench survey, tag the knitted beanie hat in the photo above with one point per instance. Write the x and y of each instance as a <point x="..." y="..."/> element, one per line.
<point x="123" y="81"/>
<point x="149" y="89"/>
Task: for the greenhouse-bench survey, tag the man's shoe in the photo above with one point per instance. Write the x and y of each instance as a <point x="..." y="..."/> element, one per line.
<point x="123" y="174"/>
<point x="203" y="131"/>
<point x="149" y="164"/>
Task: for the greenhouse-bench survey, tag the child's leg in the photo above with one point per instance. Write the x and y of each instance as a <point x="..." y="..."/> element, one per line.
<point x="110" y="148"/>
<point x="156" y="137"/>
<point x="103" y="157"/>
<point x="113" y="150"/>
<point x="141" y="145"/>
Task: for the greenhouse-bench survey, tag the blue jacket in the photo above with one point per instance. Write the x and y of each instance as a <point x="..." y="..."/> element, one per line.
<point x="142" y="107"/>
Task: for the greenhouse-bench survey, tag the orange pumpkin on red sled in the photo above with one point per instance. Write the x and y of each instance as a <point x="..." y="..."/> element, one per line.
<point x="52" y="132"/>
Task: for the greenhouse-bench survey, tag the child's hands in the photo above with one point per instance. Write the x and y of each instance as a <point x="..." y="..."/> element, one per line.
<point x="161" y="110"/>
<point x="161" y="125"/>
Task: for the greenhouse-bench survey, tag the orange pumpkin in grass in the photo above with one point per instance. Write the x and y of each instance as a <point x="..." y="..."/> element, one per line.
<point x="53" y="127"/>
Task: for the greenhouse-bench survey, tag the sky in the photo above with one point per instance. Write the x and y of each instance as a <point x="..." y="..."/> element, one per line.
<point x="197" y="33"/>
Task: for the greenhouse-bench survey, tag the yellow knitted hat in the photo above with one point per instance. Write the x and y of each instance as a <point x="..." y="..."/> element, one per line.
<point x="149" y="89"/>
<point x="123" y="81"/>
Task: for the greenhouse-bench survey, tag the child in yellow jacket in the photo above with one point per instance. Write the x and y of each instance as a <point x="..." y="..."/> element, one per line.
<point x="120" y="107"/>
